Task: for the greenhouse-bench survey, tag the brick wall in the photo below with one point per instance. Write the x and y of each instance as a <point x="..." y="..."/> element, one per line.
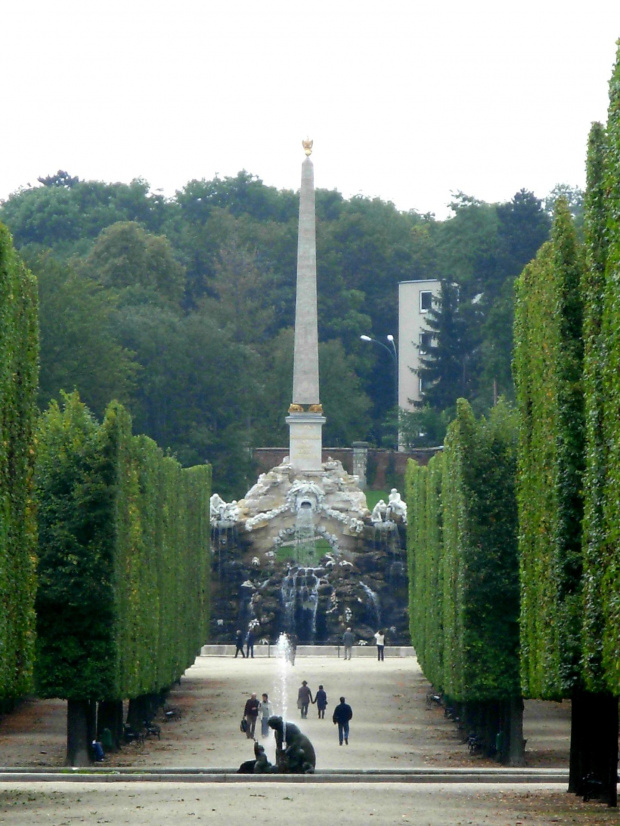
<point x="385" y="468"/>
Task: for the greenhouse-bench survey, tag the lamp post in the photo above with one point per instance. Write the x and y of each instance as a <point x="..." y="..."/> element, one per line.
<point x="393" y="355"/>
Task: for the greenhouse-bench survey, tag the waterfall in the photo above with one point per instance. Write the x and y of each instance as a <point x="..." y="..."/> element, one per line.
<point x="300" y="599"/>
<point x="374" y="599"/>
<point x="305" y="545"/>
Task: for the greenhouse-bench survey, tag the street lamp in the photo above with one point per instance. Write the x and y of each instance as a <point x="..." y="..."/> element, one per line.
<point x="394" y="356"/>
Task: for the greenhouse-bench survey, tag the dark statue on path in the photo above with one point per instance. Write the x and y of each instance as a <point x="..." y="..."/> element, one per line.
<point x="294" y="751"/>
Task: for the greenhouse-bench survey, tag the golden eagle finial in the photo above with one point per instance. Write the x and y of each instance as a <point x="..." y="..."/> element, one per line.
<point x="307" y="145"/>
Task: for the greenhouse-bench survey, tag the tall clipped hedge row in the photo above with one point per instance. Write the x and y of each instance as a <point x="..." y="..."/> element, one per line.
<point x="480" y="568"/>
<point x="602" y="380"/>
<point x="595" y="349"/>
<point x="123" y="573"/>
<point x="462" y="545"/>
<point x="18" y="382"/>
<point x="424" y="541"/>
<point x="548" y="365"/>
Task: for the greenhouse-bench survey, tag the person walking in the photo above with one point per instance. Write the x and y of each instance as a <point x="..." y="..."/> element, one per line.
<point x="265" y="711"/>
<point x="342" y="715"/>
<point x="348" y="639"/>
<point x="304" y="698"/>
<point x="249" y="643"/>
<point x="380" y="638"/>
<point x="250" y="712"/>
<point x="320" y="698"/>
<point x="239" y="644"/>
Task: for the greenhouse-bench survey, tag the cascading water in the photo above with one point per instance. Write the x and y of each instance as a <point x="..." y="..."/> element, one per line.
<point x="305" y="543"/>
<point x="300" y="586"/>
<point x="300" y="598"/>
<point x="374" y="601"/>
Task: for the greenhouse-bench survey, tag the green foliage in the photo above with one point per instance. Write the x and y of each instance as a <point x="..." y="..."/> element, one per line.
<point x="225" y="250"/>
<point x="62" y="216"/>
<point x="462" y="546"/>
<point x="127" y="258"/>
<point x="604" y="250"/>
<point x="425" y="427"/>
<point x="595" y="548"/>
<point x="122" y="606"/>
<point x="481" y="250"/>
<point x="424" y="554"/>
<point x="548" y="365"/>
<point x="448" y="366"/>
<point x="480" y="593"/>
<point x="78" y="347"/>
<point x="18" y="383"/>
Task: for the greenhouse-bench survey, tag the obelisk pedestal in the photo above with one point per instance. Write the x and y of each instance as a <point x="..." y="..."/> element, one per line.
<point x="305" y="419"/>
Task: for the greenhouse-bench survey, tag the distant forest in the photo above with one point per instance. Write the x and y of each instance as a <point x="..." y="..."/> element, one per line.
<point x="182" y="308"/>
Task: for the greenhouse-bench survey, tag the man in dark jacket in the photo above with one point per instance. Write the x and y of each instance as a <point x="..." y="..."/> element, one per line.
<point x="250" y="712"/>
<point x="342" y="714"/>
<point x="239" y="644"/>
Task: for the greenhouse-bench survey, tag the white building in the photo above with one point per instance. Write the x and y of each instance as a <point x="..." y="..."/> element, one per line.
<point x="415" y="299"/>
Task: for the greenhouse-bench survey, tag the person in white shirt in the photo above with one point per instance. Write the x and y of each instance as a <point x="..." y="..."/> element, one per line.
<point x="380" y="638"/>
<point x="265" y="711"/>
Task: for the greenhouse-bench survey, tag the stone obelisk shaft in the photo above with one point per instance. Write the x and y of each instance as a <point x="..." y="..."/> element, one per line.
<point x="306" y="364"/>
<point x="305" y="418"/>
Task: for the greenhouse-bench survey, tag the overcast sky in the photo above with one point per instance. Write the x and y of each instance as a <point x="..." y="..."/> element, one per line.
<point x="407" y="101"/>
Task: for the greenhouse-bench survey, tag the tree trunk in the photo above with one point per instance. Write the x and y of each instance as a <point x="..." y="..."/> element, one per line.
<point x="78" y="746"/>
<point x="594" y="746"/>
<point x="111" y="718"/>
<point x="513" y="752"/>
<point x="576" y="770"/>
<point x="485" y="724"/>
<point x="138" y="711"/>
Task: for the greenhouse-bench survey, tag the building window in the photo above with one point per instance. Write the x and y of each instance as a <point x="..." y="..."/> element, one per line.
<point x="421" y="385"/>
<point x="425" y="343"/>
<point x="426" y="300"/>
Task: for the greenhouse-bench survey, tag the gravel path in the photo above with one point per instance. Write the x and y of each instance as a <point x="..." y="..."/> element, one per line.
<point x="392" y="728"/>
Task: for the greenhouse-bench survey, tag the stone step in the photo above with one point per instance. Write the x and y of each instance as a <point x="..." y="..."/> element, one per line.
<point x="269" y="650"/>
<point x="227" y="775"/>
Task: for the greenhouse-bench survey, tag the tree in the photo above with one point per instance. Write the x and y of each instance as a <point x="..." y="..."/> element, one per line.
<point x="349" y="421"/>
<point x="127" y="257"/>
<point x="462" y="539"/>
<point x="122" y="604"/>
<point x="447" y="369"/>
<point x="61" y="178"/>
<point x="549" y="377"/>
<point x="198" y="389"/>
<point x="78" y="347"/>
<point x="67" y="214"/>
<point x="242" y="303"/>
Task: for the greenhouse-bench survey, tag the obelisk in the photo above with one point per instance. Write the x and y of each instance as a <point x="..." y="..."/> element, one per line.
<point x="305" y="419"/>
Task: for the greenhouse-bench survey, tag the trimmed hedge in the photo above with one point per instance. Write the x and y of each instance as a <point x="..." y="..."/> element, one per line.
<point x="547" y="365"/>
<point x="480" y="568"/>
<point x="18" y="383"/>
<point x="593" y="291"/>
<point x="124" y="550"/>
<point x="424" y="552"/>
<point x="462" y="545"/>
<point x="604" y="239"/>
